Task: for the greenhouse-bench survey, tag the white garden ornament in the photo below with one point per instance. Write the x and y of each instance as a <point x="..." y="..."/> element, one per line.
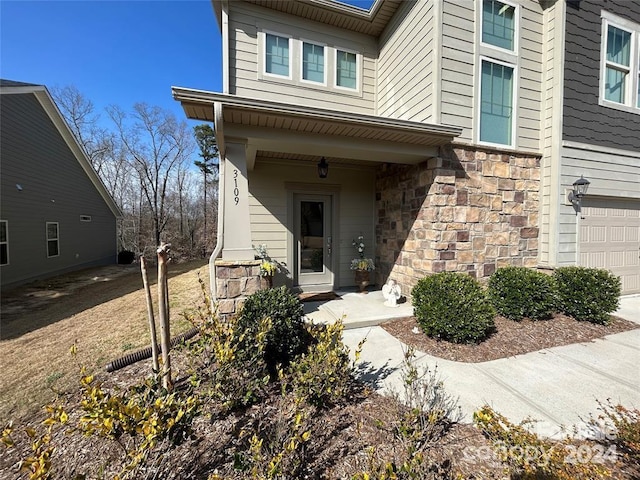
<point x="391" y="293"/>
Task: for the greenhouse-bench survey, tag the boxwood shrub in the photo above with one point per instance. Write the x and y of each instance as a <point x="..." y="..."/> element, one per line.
<point x="287" y="337"/>
<point x="587" y="294"/>
<point x="520" y="292"/>
<point x="453" y="307"/>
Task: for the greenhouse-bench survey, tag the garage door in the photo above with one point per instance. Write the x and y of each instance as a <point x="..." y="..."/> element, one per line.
<point x="610" y="238"/>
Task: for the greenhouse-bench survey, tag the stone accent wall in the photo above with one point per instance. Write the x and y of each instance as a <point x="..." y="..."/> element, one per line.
<point x="235" y="280"/>
<point x="469" y="210"/>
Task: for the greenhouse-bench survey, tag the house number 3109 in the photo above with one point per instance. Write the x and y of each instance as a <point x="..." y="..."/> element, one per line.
<point x="236" y="191"/>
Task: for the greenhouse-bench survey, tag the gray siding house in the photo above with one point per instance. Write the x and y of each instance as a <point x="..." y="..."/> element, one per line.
<point x="55" y="214"/>
<point x="453" y="131"/>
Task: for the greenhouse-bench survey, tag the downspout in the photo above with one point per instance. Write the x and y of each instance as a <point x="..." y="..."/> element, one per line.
<point x="219" y="132"/>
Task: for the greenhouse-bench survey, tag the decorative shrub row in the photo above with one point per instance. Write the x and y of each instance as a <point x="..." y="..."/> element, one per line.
<point x="454" y="306"/>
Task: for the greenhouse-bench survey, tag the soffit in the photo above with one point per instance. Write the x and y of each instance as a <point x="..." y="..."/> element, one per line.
<point x="370" y="22"/>
<point x="276" y="127"/>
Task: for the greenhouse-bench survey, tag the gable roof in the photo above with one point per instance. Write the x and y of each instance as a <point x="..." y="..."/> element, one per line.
<point x="370" y="22"/>
<point x="10" y="87"/>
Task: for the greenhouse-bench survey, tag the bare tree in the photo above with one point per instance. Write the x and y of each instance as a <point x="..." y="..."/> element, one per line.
<point x="206" y="139"/>
<point x="156" y="144"/>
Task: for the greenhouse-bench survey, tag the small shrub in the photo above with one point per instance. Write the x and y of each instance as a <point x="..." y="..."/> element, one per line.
<point x="520" y="292"/>
<point x="287" y="337"/>
<point x="453" y="307"/>
<point x="626" y="422"/>
<point x="321" y="376"/>
<point x="527" y="456"/>
<point x="587" y="294"/>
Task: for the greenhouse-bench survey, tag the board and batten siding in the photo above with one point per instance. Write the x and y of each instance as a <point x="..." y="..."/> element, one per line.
<point x="246" y="21"/>
<point x="406" y="64"/>
<point x="551" y="133"/>
<point x="54" y="188"/>
<point x="354" y="187"/>
<point x="612" y="173"/>
<point x="586" y="121"/>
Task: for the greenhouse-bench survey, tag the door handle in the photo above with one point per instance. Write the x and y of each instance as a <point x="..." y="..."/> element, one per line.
<point x="329" y="245"/>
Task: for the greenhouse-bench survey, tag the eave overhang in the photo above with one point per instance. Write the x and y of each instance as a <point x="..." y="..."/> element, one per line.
<point x="293" y="129"/>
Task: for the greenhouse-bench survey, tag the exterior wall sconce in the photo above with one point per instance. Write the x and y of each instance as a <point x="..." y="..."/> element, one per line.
<point x="323" y="168"/>
<point x="579" y="191"/>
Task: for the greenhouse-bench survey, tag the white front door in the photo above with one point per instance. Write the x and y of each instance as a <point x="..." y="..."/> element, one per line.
<point x="313" y="253"/>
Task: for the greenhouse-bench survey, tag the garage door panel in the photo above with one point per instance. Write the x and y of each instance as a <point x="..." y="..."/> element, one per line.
<point x="610" y="238"/>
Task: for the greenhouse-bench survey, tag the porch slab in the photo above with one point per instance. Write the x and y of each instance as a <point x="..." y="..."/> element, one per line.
<point x="357" y="310"/>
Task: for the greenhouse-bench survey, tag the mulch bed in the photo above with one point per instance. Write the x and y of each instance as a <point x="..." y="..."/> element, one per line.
<point x="510" y="338"/>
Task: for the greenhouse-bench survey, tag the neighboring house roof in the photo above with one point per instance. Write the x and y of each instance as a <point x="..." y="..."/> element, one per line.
<point x="279" y="127"/>
<point x="10" y="87"/>
<point x="370" y="22"/>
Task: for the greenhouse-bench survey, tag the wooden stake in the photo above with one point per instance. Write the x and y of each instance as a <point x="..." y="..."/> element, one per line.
<point x="163" y="309"/>
<point x="152" y="322"/>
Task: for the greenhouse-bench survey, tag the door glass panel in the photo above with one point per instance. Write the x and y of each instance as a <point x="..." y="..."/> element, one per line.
<point x="312" y="237"/>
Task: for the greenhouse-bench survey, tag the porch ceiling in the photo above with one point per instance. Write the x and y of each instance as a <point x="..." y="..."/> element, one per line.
<point x="277" y="127"/>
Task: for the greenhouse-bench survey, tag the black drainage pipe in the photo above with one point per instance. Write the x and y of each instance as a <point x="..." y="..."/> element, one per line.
<point x="145" y="353"/>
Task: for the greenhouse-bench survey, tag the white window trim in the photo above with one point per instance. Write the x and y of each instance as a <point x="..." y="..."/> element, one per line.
<point x="609" y="19"/>
<point x="358" y="70"/>
<point x="516" y="39"/>
<point x="6" y="228"/>
<point x="263" y="54"/>
<point x="57" y="239"/>
<point x="514" y="102"/>
<point x="325" y="50"/>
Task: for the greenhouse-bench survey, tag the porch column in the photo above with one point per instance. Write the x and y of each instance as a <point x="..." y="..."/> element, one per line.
<point x="237" y="227"/>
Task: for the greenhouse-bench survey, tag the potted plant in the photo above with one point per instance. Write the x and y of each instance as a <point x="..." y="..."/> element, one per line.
<point x="268" y="267"/>
<point x="362" y="265"/>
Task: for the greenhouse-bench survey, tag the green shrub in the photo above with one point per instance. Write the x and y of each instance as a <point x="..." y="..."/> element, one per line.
<point x="520" y="292"/>
<point x="587" y="294"/>
<point x="287" y="337"/>
<point x="453" y="307"/>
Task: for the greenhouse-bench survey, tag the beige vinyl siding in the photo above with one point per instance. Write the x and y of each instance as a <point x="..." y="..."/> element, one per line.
<point x="612" y="174"/>
<point x="458" y="40"/>
<point x="246" y="22"/>
<point x="268" y="207"/>
<point x="530" y="76"/>
<point x="552" y="65"/>
<point x="405" y="64"/>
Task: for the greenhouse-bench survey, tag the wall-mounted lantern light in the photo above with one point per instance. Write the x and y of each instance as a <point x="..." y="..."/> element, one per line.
<point x="323" y="168"/>
<point x="579" y="191"/>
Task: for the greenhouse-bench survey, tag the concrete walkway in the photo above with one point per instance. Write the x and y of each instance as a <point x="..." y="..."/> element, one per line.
<point x="558" y="386"/>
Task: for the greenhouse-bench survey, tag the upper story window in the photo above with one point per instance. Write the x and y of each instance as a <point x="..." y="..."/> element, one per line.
<point x="496" y="103"/>
<point x="313" y="62"/>
<point x="499" y="24"/>
<point x="497" y="73"/>
<point x="620" y="63"/>
<point x="4" y="242"/>
<point x="53" y="240"/>
<point x="277" y="55"/>
<point x="346" y="69"/>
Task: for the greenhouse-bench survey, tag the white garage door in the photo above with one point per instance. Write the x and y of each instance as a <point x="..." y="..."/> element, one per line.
<point x="610" y="238"/>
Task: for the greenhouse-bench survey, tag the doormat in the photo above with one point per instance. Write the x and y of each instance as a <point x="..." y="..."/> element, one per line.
<point x="317" y="296"/>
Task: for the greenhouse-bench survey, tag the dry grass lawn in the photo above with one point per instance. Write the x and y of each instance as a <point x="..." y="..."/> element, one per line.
<point x="107" y="317"/>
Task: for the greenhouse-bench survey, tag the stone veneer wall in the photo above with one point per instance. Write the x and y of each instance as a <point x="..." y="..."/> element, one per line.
<point x="235" y="280"/>
<point x="469" y="210"/>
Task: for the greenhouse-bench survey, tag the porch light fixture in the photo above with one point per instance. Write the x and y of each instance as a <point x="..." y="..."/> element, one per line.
<point x="579" y="191"/>
<point x="323" y="168"/>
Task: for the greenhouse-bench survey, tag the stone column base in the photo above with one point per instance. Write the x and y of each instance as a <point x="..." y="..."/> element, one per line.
<point x="235" y="280"/>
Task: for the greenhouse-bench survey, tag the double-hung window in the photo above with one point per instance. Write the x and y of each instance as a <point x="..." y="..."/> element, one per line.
<point x="277" y="55"/>
<point x="346" y="69"/>
<point x="313" y="63"/>
<point x="4" y="242"/>
<point x="620" y="63"/>
<point x="497" y="72"/>
<point x="53" y="239"/>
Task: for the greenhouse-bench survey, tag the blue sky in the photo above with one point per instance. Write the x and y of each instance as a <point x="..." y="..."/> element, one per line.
<point x="114" y="52"/>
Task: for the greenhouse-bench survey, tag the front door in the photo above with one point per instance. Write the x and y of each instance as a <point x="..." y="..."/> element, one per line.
<point x="313" y="242"/>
